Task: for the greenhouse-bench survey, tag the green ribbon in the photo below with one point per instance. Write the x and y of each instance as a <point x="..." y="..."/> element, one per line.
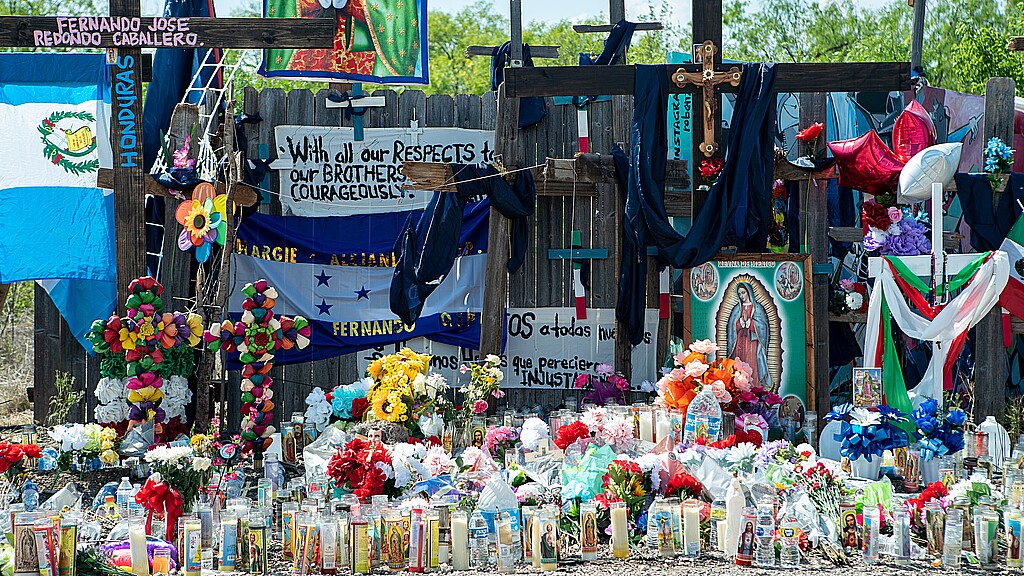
<point x="894" y="385"/>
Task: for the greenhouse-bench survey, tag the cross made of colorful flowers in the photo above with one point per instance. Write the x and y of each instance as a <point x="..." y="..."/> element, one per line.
<point x="256" y="337"/>
<point x="144" y="334"/>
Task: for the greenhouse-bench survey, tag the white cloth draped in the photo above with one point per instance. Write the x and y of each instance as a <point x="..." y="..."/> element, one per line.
<point x="963" y="312"/>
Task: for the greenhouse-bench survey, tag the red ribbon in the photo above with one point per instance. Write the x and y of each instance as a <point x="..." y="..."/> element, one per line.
<point x="160" y="498"/>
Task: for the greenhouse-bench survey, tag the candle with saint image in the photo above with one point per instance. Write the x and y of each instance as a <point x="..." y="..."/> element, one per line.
<point x="691" y="527"/>
<point x="460" y="540"/>
<point x="620" y="539"/>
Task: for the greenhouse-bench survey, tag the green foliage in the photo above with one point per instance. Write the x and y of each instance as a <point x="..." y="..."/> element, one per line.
<point x="63" y="400"/>
<point x="964" y="41"/>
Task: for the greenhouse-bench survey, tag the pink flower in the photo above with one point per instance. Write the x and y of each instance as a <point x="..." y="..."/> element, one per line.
<point x="773" y="399"/>
<point x="721" y="394"/>
<point x="704" y="347"/>
<point x="498" y="393"/>
<point x="696" y="369"/>
<point x="619" y="382"/>
<point x="463" y="368"/>
<point x="604" y="369"/>
<point x="744" y="368"/>
<point x="680" y="357"/>
<point x="895" y="214"/>
<point x="582" y="380"/>
<point x="742" y="381"/>
<point x="480" y="407"/>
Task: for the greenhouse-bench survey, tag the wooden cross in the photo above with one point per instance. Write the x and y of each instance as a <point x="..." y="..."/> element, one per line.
<point x="124" y="33"/>
<point x="707" y="78"/>
<point x="707" y="27"/>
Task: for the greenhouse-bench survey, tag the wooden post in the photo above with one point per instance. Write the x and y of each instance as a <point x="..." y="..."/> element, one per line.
<point x="917" y="34"/>
<point x="492" y="322"/>
<point x="814" y="241"/>
<point x="990" y="370"/>
<point x="126" y="145"/>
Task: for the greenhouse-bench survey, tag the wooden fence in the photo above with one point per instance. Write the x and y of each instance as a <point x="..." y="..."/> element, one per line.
<point x="542" y="282"/>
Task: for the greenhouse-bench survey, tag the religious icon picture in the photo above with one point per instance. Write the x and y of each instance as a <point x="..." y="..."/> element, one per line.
<point x="256" y="551"/>
<point x="548" y="541"/>
<point x="746" y="544"/>
<point x="757" y="310"/>
<point x="588" y="521"/>
<point x="867" y="386"/>
<point x="851" y="532"/>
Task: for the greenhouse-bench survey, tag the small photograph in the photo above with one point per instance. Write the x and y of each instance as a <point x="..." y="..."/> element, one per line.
<point x="867" y="386"/>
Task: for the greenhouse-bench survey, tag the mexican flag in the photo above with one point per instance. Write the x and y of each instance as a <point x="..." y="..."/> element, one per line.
<point x="1012" y="297"/>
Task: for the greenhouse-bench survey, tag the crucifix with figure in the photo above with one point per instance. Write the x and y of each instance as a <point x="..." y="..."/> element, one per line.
<point x="124" y="33"/>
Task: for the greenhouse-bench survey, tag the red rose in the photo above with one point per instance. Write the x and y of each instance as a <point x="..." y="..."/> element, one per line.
<point x="359" y="407"/>
<point x="811" y="133"/>
<point x="33" y="451"/>
<point x="570" y="433"/>
<point x="875" y="215"/>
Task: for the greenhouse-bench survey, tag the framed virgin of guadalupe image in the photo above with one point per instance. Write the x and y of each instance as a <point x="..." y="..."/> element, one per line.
<point x="758" y="308"/>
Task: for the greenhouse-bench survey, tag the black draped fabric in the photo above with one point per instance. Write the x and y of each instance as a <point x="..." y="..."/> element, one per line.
<point x="615" y="45"/>
<point x="989" y="227"/>
<point x="427" y="250"/>
<point x="532" y="109"/>
<point x="738" y="208"/>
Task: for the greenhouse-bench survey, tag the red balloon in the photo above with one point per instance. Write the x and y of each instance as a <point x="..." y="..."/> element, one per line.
<point x="912" y="132"/>
<point x="867" y="164"/>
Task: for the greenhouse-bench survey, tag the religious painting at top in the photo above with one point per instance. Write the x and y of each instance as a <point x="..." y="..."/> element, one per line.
<point x="755" y="308"/>
<point x="378" y="41"/>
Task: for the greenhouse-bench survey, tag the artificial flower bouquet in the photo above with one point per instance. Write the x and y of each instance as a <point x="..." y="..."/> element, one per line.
<point x="12" y="458"/>
<point x="363" y="468"/>
<point x="181" y="469"/>
<point x="847" y="297"/>
<point x="938" y="435"/>
<point x="998" y="159"/>
<point x="895" y="231"/>
<point x="728" y="379"/>
<point x="404" y="389"/>
<point x="604" y="387"/>
<point x="485" y="378"/>
<point x="86" y="440"/>
<point x="348" y="402"/>
<point x="866" y="432"/>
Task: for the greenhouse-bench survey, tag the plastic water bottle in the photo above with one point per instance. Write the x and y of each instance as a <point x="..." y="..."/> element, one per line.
<point x="124" y="496"/>
<point x="764" y="555"/>
<point x="789" y="538"/>
<point x="652" y="524"/>
<point x="479" y="544"/>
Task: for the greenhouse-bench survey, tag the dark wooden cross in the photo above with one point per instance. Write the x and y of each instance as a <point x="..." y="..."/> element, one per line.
<point x="707" y="27"/>
<point x="124" y="33"/>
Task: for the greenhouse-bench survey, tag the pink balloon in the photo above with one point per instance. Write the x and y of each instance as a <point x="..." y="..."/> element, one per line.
<point x="867" y="164"/>
<point x="912" y="132"/>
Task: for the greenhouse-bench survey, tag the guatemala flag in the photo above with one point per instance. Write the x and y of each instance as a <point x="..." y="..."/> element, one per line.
<point x="337" y="271"/>
<point x="58" y="227"/>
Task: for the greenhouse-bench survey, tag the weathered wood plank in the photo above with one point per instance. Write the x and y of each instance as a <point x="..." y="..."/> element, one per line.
<point x="440" y="110"/>
<point x="245" y="195"/>
<point x="219" y="32"/>
<point x="496" y="276"/>
<point x="412" y="105"/>
<point x="535" y="51"/>
<point x="990" y="370"/>
<point x="814" y="237"/>
<point x="605" y="28"/>
<point x="273" y="108"/>
<point x="176" y="268"/>
<point x="385" y="116"/>
<point x="791" y="77"/>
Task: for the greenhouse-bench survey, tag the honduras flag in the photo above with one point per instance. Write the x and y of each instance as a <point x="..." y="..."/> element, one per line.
<point x="57" y="225"/>
<point x="337" y="271"/>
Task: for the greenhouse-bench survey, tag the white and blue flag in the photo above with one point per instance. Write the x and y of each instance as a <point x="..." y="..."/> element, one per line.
<point x="58" y="226"/>
<point x="337" y="271"/>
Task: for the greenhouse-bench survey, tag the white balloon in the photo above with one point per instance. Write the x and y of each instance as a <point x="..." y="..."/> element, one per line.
<point x="933" y="164"/>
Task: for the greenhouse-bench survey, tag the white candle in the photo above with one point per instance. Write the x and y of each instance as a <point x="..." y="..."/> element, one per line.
<point x="720" y="532"/>
<point x="460" y="541"/>
<point x="663" y="428"/>
<point x="620" y="540"/>
<point x="734" y="502"/>
<point x="691" y="528"/>
<point x="647" y="425"/>
<point x="137" y="543"/>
